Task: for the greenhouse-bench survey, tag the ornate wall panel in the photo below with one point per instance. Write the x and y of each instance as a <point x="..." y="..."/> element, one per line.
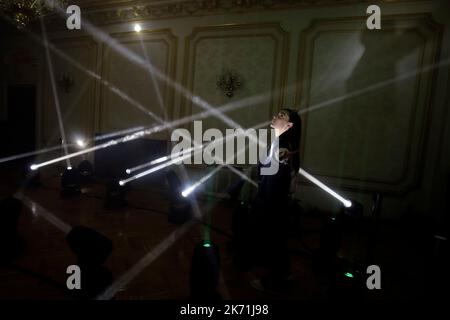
<point x="255" y="53"/>
<point x="136" y="94"/>
<point x="366" y="99"/>
<point x="75" y="91"/>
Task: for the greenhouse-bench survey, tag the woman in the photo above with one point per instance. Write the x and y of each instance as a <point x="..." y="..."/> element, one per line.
<point x="270" y="208"/>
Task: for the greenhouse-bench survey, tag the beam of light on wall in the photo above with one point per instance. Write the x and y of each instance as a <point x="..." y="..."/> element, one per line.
<point x="97" y="33"/>
<point x="266" y="95"/>
<point x="263" y="97"/>
<point x="133" y="102"/>
<point x="94" y="75"/>
<point x="32" y="153"/>
<point x="55" y="92"/>
<point x="345" y="202"/>
<point x="155" y="84"/>
<point x="133" y="57"/>
<point x="225" y="108"/>
<point x="209" y="112"/>
<point x="202" y="115"/>
<point x="376" y="86"/>
<point x="247" y="101"/>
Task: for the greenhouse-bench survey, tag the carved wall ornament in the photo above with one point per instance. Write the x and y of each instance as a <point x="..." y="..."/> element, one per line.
<point x="126" y="11"/>
<point x="229" y="82"/>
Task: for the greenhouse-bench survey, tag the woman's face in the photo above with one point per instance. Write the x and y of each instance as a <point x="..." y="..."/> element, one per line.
<point x="281" y="121"/>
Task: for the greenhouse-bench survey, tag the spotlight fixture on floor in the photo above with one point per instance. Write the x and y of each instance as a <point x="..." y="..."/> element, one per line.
<point x="355" y="211"/>
<point x="205" y="272"/>
<point x="86" y="171"/>
<point x="115" y="195"/>
<point x="340" y="270"/>
<point x="242" y="240"/>
<point x="70" y="182"/>
<point x="349" y="282"/>
<point x="180" y="206"/>
<point x="10" y="241"/>
<point x="325" y="258"/>
<point x="351" y="217"/>
<point x="32" y="178"/>
<point x="92" y="249"/>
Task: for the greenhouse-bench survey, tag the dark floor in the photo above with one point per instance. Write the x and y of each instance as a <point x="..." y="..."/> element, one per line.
<point x="151" y="257"/>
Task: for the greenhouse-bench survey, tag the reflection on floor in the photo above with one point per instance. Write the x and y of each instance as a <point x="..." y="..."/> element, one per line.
<point x="141" y="229"/>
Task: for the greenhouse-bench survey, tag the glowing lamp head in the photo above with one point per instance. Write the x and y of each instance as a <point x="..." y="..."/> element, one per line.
<point x="121" y="182"/>
<point x="348" y="275"/>
<point x="33" y="167"/>
<point x="69" y="168"/>
<point x="188" y="191"/>
<point x="137" y="27"/>
<point x="81" y="143"/>
<point x="347" y="203"/>
<point x="128" y="171"/>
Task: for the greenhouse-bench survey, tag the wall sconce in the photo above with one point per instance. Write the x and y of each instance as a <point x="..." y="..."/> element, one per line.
<point x="66" y="82"/>
<point x="229" y="82"/>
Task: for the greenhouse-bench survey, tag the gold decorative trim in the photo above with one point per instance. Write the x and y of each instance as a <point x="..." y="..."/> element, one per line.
<point x="125" y="11"/>
<point x="169" y="39"/>
<point x="435" y="34"/>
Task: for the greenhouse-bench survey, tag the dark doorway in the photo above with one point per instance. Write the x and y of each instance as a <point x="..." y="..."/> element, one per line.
<point x="18" y="126"/>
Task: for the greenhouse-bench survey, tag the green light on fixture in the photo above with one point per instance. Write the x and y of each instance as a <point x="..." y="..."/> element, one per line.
<point x="348" y="274"/>
<point x="207" y="244"/>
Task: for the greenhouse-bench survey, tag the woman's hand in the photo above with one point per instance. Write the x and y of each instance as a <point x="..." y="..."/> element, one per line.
<point x="284" y="154"/>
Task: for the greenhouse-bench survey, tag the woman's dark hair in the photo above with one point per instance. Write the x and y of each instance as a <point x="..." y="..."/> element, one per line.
<point x="293" y="136"/>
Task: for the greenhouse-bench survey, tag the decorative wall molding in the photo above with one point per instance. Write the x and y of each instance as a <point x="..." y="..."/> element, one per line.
<point x="163" y="37"/>
<point x="125" y="11"/>
<point x="430" y="34"/>
<point x="47" y="115"/>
